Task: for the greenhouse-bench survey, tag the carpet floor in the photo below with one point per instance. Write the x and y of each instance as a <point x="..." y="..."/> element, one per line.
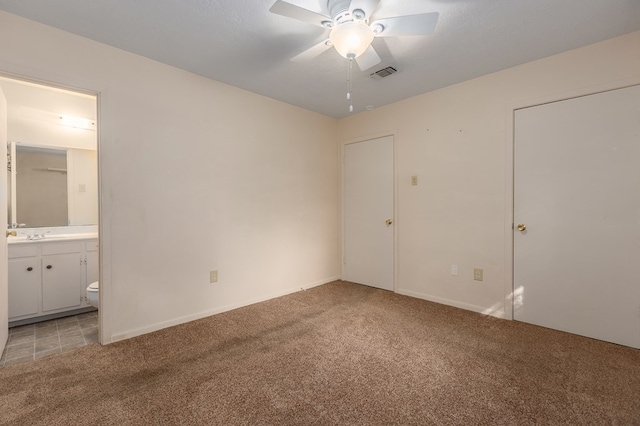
<point x="338" y="354"/>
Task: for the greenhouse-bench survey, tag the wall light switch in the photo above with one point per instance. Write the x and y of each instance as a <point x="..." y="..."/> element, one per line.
<point x="477" y="274"/>
<point x="454" y="270"/>
<point x="414" y="180"/>
<point x="213" y="276"/>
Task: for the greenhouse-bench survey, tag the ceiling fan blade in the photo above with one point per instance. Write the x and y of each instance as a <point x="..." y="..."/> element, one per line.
<point x="289" y="10"/>
<point x="312" y="52"/>
<point x="368" y="59"/>
<point x="369" y="6"/>
<point x="421" y="24"/>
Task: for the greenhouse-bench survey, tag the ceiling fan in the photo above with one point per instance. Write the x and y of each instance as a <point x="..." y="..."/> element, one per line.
<point x="353" y="26"/>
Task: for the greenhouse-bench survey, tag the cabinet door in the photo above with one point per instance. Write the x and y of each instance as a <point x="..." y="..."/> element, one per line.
<point x="24" y="283"/>
<point x="92" y="274"/>
<point x="61" y="281"/>
<point x="92" y="267"/>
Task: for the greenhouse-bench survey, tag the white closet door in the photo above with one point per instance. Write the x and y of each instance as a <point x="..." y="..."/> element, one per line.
<point x="577" y="191"/>
<point x="368" y="213"/>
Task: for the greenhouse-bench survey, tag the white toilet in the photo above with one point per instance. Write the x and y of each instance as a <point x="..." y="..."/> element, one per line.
<point x="93" y="295"/>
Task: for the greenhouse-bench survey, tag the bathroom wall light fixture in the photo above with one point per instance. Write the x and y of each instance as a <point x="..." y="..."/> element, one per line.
<point x="77" y="122"/>
<point x="57" y="118"/>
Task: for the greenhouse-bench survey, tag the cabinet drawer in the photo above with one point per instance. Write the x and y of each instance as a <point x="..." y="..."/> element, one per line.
<point x="23" y="250"/>
<point x="61" y="248"/>
<point x="91" y="245"/>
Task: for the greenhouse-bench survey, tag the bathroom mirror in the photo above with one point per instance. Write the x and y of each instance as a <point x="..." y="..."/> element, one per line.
<point x="51" y="186"/>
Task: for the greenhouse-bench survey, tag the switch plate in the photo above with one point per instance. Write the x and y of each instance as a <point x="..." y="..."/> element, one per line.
<point x="82" y="187"/>
<point x="478" y="274"/>
<point x="454" y="270"/>
<point x="213" y="276"/>
<point x="414" y="180"/>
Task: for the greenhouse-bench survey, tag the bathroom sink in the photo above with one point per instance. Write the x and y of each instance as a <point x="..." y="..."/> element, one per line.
<point x="71" y="236"/>
<point x="52" y="237"/>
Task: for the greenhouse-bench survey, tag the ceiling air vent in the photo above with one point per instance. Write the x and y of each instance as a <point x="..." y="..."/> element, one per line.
<point x="384" y="72"/>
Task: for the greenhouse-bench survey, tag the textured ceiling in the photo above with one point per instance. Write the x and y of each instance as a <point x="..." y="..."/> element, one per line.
<point x="242" y="44"/>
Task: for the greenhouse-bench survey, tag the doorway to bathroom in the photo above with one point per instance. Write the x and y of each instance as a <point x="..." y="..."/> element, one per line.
<point x="50" y="196"/>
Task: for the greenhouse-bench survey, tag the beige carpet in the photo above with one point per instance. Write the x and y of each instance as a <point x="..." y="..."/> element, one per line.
<point x="337" y="354"/>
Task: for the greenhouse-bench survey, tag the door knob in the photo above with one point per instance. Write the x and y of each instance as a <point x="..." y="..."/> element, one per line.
<point x="522" y="227"/>
<point x="388" y="222"/>
<point x="12" y="233"/>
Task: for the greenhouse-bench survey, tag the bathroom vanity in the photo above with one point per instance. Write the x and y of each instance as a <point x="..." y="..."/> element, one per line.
<point x="48" y="277"/>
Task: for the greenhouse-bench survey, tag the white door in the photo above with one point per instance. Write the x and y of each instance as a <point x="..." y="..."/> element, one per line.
<point x="4" y="287"/>
<point x="368" y="213"/>
<point x="577" y="191"/>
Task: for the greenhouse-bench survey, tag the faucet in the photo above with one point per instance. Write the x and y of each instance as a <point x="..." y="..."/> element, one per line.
<point x="37" y="236"/>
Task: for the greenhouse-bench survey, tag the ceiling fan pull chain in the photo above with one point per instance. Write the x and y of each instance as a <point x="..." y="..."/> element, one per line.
<point x="349" y="68"/>
<point x="349" y="80"/>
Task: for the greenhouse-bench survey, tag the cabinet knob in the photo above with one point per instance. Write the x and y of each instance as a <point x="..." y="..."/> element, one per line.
<point x="49" y="266"/>
<point x="30" y="269"/>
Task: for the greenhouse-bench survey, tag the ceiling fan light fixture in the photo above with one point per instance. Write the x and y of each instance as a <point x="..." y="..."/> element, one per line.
<point x="351" y="39"/>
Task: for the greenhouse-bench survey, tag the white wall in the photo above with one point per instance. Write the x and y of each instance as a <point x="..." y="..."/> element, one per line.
<point x="195" y="175"/>
<point x="458" y="140"/>
<point x="82" y="186"/>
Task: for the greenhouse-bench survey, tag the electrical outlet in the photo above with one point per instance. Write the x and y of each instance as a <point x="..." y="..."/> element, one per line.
<point x="213" y="276"/>
<point x="454" y="270"/>
<point x="477" y="274"/>
<point x="414" y="180"/>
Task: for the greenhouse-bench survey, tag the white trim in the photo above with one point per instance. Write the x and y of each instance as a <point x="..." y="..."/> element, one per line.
<point x="193" y="317"/>
<point x="490" y="311"/>
<point x="510" y="172"/>
<point x="105" y="324"/>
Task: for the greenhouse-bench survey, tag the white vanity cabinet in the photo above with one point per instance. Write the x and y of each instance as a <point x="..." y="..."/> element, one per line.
<point x="50" y="277"/>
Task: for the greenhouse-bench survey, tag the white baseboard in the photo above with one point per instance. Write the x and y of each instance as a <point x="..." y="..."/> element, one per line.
<point x="188" y="318"/>
<point x="497" y="312"/>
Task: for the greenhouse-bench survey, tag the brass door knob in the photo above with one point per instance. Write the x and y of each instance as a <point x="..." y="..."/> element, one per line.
<point x="388" y="222"/>
<point x="12" y="233"/>
<point x="522" y="227"/>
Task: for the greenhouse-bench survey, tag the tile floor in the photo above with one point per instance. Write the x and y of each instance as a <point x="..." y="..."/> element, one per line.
<point x="34" y="341"/>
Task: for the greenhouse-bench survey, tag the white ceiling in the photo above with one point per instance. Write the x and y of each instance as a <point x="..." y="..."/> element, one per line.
<point x="242" y="44"/>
